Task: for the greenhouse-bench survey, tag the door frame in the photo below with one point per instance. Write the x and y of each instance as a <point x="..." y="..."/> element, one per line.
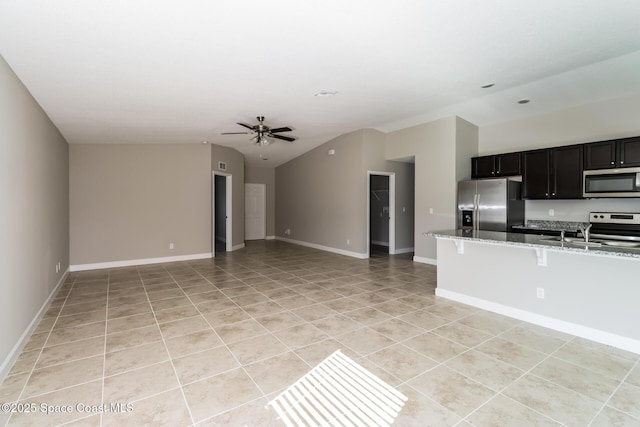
<point x="229" y="203"/>
<point x="392" y="210"/>
<point x="264" y="187"/>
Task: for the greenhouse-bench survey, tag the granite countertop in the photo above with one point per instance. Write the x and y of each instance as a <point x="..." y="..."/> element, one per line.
<point x="545" y="225"/>
<point x="533" y="241"/>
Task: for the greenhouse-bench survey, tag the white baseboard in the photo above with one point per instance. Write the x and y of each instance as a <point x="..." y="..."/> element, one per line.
<point x="144" y="261"/>
<point x="11" y="358"/>
<point x="236" y="247"/>
<point x="270" y="238"/>
<point x="425" y="260"/>
<point x="379" y="243"/>
<point x="547" y="322"/>
<point x="402" y="251"/>
<point x="324" y="248"/>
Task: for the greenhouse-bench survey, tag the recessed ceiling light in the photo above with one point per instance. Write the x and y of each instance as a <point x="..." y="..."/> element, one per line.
<point x="488" y="85"/>
<point x="205" y="142"/>
<point x="524" y="101"/>
<point x="326" y="93"/>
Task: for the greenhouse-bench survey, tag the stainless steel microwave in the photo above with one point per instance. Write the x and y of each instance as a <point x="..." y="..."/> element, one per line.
<point x="624" y="182"/>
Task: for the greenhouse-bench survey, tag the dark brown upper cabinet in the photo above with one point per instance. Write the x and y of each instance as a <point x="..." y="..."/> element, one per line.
<point x="629" y="152"/>
<point x="616" y="153"/>
<point x="566" y="172"/>
<point x="535" y="174"/>
<point x="494" y="166"/>
<point x="553" y="173"/>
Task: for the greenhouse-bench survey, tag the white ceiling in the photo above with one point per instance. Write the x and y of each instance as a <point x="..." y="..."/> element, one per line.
<point x="162" y="71"/>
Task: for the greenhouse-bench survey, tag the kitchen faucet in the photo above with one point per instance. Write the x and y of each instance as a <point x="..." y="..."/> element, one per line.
<point x="585" y="232"/>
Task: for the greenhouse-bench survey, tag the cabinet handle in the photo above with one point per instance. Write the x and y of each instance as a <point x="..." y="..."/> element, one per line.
<point x="546" y="194"/>
<point x="613" y="163"/>
<point x="553" y="194"/>
<point x="622" y="162"/>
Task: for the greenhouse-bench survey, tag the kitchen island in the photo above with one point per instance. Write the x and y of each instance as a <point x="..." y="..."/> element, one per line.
<point x="592" y="292"/>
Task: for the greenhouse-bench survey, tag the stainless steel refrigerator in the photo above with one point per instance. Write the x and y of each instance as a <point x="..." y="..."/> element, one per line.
<point x="490" y="204"/>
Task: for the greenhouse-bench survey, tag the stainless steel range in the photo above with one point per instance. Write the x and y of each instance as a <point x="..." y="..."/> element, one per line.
<point x="618" y="229"/>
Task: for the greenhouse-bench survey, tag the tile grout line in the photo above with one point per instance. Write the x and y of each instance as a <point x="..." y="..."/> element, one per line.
<point x="311" y="267"/>
<point x="33" y="368"/>
<point x="272" y="333"/>
<point x="622" y="381"/>
<point x="104" y="356"/>
<point x="529" y="371"/>
<point x="175" y="372"/>
<point x="221" y="340"/>
<point x="442" y="364"/>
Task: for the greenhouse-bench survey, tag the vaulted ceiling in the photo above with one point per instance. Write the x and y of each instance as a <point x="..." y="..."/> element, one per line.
<point x="162" y="71"/>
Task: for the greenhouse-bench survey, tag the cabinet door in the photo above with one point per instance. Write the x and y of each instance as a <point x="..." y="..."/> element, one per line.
<point x="482" y="167"/>
<point x="566" y="172"/>
<point x="508" y="164"/>
<point x="535" y="174"/>
<point x="629" y="152"/>
<point x="600" y="155"/>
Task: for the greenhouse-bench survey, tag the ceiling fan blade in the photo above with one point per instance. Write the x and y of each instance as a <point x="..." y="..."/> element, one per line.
<point x="282" y="129"/>
<point x="247" y="126"/>
<point x="285" y="138"/>
<point x="235" y="133"/>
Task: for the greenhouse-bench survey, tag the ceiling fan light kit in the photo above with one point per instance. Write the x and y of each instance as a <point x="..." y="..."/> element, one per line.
<point x="264" y="135"/>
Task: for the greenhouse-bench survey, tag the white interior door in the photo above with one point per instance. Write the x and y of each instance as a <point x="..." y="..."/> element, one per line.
<point x="255" y="211"/>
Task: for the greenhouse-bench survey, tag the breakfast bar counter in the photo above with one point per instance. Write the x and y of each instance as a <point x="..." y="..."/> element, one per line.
<point x="592" y="292"/>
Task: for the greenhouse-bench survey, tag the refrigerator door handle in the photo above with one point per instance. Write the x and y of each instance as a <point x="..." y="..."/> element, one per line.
<point x="476" y="212"/>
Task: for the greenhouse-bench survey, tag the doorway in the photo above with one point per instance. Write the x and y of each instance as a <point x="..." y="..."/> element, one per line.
<point x="381" y="213"/>
<point x="255" y="211"/>
<point x="221" y="236"/>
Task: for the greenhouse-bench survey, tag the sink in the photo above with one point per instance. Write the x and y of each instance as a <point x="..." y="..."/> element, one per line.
<point x="566" y="239"/>
<point x="586" y="244"/>
<point x="574" y="241"/>
<point x="578" y="241"/>
<point x="620" y="243"/>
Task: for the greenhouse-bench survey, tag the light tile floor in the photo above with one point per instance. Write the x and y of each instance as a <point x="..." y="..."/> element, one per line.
<point x="210" y="342"/>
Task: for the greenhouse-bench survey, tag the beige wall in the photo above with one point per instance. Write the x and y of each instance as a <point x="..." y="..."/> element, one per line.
<point x="129" y="202"/>
<point x="34" y="218"/>
<point x="267" y="176"/>
<point x="374" y="160"/>
<point x="322" y="198"/>
<point x="598" y="121"/>
<point x="441" y="150"/>
<point x="235" y="167"/>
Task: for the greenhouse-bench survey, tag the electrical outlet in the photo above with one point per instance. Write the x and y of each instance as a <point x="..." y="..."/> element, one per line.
<point x="540" y="293"/>
<point x="287" y="231"/>
<point x="431" y="211"/>
<point x="171" y="246"/>
<point x="552" y="212"/>
<point x="348" y="242"/>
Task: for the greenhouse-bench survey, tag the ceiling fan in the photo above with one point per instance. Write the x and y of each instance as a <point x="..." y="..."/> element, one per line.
<point x="263" y="132"/>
